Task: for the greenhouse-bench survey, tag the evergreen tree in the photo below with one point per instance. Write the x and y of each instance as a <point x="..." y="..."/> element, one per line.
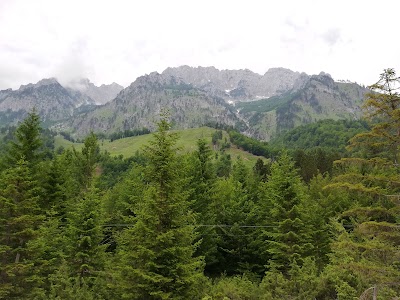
<point x="261" y="170"/>
<point x="85" y="254"/>
<point x="201" y="172"/>
<point x="234" y="220"/>
<point x="19" y="220"/>
<point x="382" y="107"/>
<point x="27" y="141"/>
<point x="224" y="165"/>
<point x="157" y="254"/>
<point x="87" y="159"/>
<point x="289" y="236"/>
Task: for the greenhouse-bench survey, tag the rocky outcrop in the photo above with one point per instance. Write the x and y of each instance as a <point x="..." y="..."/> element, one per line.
<point x="240" y="85"/>
<point x="139" y="106"/>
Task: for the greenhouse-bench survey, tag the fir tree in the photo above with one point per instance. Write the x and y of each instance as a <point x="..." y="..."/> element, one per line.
<point x="27" y="141"/>
<point x="157" y="254"/>
<point x="289" y="237"/>
<point x="85" y="254"/>
<point x="201" y="172"/>
<point x="19" y="220"/>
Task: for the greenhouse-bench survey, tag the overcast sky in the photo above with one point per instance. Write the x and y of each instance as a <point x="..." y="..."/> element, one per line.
<point x="109" y="41"/>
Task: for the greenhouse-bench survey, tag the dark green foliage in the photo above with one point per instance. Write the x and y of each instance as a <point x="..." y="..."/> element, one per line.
<point x="303" y="283"/>
<point x="202" y="176"/>
<point x="261" y="170"/>
<point x="216" y="137"/>
<point x="325" y="134"/>
<point x="19" y="220"/>
<point x="85" y="161"/>
<point x="27" y="141"/>
<point x="128" y="133"/>
<point x="289" y="239"/>
<point x="111" y="169"/>
<point x="233" y="210"/>
<point x="249" y="144"/>
<point x="314" y="161"/>
<point x="224" y="165"/>
<point x="85" y="254"/>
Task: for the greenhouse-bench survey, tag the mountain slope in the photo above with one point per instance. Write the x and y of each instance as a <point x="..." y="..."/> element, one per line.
<point x="140" y="104"/>
<point x="319" y="98"/>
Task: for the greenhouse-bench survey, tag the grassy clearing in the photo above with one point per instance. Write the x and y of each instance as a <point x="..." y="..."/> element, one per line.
<point x="187" y="142"/>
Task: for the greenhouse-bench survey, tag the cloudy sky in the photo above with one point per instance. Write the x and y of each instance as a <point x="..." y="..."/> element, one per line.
<point x="117" y="40"/>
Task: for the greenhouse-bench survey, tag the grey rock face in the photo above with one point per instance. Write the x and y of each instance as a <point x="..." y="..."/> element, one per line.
<point x="51" y="100"/>
<point x="139" y="106"/>
<point x="239" y="85"/>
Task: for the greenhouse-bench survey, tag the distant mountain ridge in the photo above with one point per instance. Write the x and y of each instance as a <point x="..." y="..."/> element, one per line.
<point x="261" y="106"/>
<point x="240" y="85"/>
<point x="52" y="101"/>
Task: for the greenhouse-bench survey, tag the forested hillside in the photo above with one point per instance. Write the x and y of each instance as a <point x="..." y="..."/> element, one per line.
<point x="170" y="224"/>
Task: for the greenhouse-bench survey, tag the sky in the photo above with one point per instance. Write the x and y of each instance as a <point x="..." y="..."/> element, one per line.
<point x="117" y="41"/>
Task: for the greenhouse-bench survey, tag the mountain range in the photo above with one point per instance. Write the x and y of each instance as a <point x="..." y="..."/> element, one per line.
<point x="261" y="106"/>
<point x="52" y="101"/>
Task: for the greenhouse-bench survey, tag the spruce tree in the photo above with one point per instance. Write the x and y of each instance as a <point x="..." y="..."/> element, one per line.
<point x="201" y="185"/>
<point x="234" y="220"/>
<point x="27" y="141"/>
<point x="19" y="220"/>
<point x="85" y="254"/>
<point x="156" y="255"/>
<point x="288" y="239"/>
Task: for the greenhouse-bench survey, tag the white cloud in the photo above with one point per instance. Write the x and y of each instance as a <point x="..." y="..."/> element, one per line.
<point x="121" y="40"/>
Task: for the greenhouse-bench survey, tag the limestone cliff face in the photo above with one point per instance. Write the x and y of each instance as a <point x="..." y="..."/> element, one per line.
<point x="140" y="104"/>
<point x="240" y="85"/>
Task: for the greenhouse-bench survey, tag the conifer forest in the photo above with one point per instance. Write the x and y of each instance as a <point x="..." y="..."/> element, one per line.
<point x="321" y="223"/>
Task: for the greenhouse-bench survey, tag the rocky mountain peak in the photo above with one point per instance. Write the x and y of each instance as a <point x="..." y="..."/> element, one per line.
<point x="238" y="85"/>
<point x="156" y="80"/>
<point x="47" y="81"/>
<point x="324" y="78"/>
<point x="43" y="82"/>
